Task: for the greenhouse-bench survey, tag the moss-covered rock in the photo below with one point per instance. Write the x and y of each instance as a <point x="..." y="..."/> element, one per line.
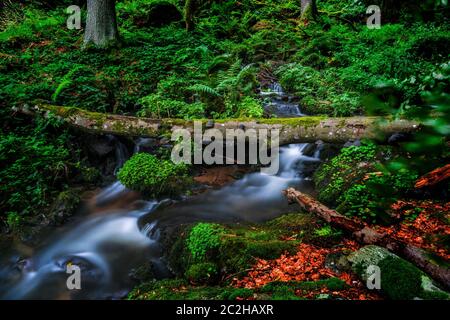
<point x="202" y="273"/>
<point x="146" y="173"/>
<point x="400" y="280"/>
<point x="287" y="290"/>
<point x="179" y="289"/>
<point x="234" y="248"/>
<point x="204" y="240"/>
<point x="64" y="206"/>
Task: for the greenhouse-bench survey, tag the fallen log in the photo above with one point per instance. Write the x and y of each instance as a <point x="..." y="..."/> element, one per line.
<point x="366" y="235"/>
<point x="433" y="177"/>
<point x="291" y="130"/>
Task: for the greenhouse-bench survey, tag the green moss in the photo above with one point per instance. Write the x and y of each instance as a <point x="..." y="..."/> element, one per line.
<point x="400" y="280"/>
<point x="90" y="174"/>
<point x="434" y="295"/>
<point x="146" y="173"/>
<point x="333" y="284"/>
<point x="309" y="121"/>
<point x="233" y="294"/>
<point x="202" y="273"/>
<point x="204" y="240"/>
<point x="179" y="289"/>
<point x="297" y="225"/>
<point x="270" y="249"/>
<point x="342" y="182"/>
<point x="235" y="248"/>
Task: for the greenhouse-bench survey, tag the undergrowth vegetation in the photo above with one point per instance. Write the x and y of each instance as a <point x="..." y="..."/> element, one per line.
<point x="146" y="173"/>
<point x="359" y="183"/>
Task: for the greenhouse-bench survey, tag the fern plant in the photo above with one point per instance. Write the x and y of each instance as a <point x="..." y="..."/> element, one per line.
<point x="66" y="81"/>
<point x="227" y="87"/>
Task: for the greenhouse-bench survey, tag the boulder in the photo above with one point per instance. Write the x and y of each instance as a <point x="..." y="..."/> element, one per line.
<point x="400" y="280"/>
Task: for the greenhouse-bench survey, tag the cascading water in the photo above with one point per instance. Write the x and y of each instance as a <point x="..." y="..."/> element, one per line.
<point x="278" y="103"/>
<point x="256" y="197"/>
<point x="121" y="156"/>
<point x="105" y="247"/>
<point x="110" y="242"/>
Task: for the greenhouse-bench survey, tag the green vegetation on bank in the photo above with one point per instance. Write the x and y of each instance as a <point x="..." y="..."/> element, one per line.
<point x="205" y="255"/>
<point x="145" y="172"/>
<point x="206" y="252"/>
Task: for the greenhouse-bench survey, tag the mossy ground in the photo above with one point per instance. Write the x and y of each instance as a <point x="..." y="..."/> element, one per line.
<point x="182" y="290"/>
<point x="209" y="276"/>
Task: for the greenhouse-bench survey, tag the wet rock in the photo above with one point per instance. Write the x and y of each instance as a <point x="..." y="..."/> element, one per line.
<point x="90" y="272"/>
<point x="328" y="151"/>
<point x="64" y="206"/>
<point x="397" y="138"/>
<point x="164" y="140"/>
<point x="142" y="273"/>
<point x="337" y="262"/>
<point x="350" y="143"/>
<point x="310" y="149"/>
<point x="368" y="255"/>
<point x="147" y="145"/>
<point x="100" y="146"/>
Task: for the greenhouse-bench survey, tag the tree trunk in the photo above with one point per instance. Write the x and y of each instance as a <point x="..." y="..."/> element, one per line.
<point x="309" y="6"/>
<point x="291" y="130"/>
<point x="189" y="9"/>
<point x="101" y="25"/>
<point x="367" y="235"/>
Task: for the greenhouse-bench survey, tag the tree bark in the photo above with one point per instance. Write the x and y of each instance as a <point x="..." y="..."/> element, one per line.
<point x="367" y="235"/>
<point x="434" y="177"/>
<point x="189" y="8"/>
<point x="291" y="130"/>
<point x="101" y="25"/>
<point x="309" y="5"/>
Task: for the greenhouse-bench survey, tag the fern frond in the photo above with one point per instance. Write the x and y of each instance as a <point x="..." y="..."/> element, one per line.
<point x="204" y="90"/>
<point x="248" y="70"/>
<point x="66" y="82"/>
<point x="235" y="68"/>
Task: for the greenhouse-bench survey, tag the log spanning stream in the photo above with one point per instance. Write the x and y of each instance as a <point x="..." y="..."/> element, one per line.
<point x="121" y="231"/>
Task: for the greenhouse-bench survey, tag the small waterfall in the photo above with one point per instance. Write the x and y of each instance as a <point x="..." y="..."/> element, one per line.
<point x="145" y="145"/>
<point x="111" y="192"/>
<point x="278" y="103"/>
<point x="122" y="156"/>
<point x="256" y="197"/>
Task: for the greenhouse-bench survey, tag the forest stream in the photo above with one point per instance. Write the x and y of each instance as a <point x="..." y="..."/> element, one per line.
<point x="120" y="230"/>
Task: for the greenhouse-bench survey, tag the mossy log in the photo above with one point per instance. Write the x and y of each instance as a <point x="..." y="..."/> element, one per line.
<point x="291" y="130"/>
<point x="367" y="236"/>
